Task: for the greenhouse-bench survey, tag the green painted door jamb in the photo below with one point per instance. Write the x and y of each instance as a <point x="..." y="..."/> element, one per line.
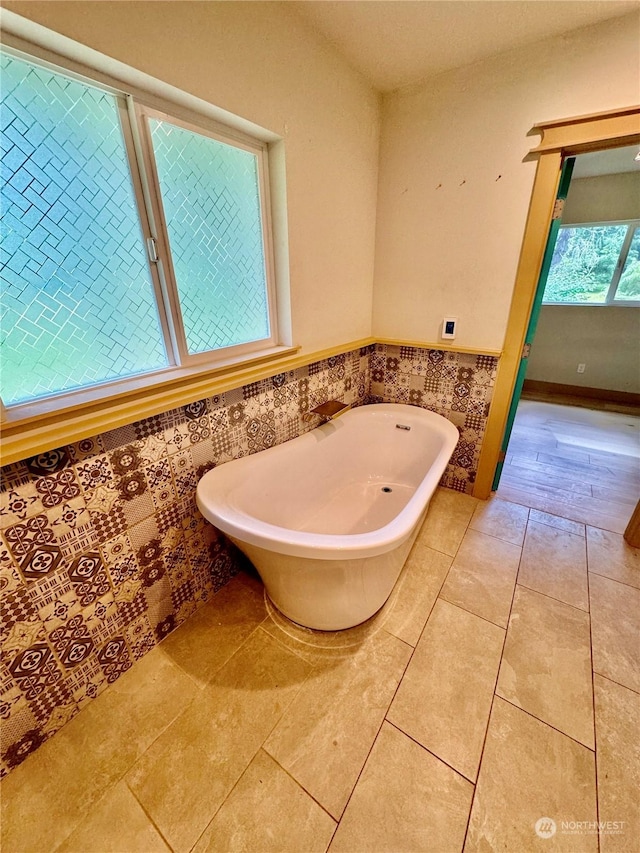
<point x="563" y="189"/>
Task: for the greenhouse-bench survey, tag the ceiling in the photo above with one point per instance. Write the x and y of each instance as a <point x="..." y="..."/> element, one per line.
<point x="611" y="162"/>
<point x="395" y="43"/>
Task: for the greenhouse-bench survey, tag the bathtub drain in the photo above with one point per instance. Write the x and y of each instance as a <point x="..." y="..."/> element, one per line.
<point x="387" y="489"/>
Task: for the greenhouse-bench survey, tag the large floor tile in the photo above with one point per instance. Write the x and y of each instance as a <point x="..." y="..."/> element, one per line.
<point x="415" y="593"/>
<point x="445" y="697"/>
<point x="582" y="509"/>
<point x="546" y="665"/>
<point x="530" y="771"/>
<point x="554" y="563"/>
<point x="183" y="779"/>
<point x="608" y="554"/>
<point x="267" y="812"/>
<point x="405" y="800"/>
<point x="208" y="639"/>
<point x="501" y="519"/>
<point x="325" y="736"/>
<point x="116" y="823"/>
<point x="557" y="521"/>
<point x="615" y="630"/>
<point x="618" y="760"/>
<point x="46" y="797"/>
<point x="447" y="519"/>
<point x="483" y="576"/>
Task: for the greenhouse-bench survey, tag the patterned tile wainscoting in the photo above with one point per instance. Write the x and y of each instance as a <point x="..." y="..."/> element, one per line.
<point x="456" y="385"/>
<point x="103" y="551"/>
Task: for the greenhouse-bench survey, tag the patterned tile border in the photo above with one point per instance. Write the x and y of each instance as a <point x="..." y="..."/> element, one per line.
<point x="458" y="386"/>
<point x="103" y="551"/>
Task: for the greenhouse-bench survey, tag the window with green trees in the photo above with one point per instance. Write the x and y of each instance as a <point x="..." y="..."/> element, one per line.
<point x="596" y="264"/>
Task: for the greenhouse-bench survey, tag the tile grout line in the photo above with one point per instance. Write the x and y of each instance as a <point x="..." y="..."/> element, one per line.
<point x="525" y="499"/>
<point x="614" y="580"/>
<point x="231" y="790"/>
<point x="619" y="683"/>
<point x="302" y="788"/>
<point x="149" y="818"/>
<point x="471" y="612"/>
<point x="552" y="597"/>
<point x="544" y="480"/>
<point x="312" y="667"/>
<point x="241" y="776"/>
<point x="495" y="686"/>
<point x="555" y="527"/>
<point x="531" y="488"/>
<point x="547" y="724"/>
<point x="593" y="699"/>
<point x="492" y="535"/>
<point x="431" y="752"/>
<point x="257" y="628"/>
<point x="201" y="688"/>
<point x="404" y="672"/>
<point x="377" y="734"/>
<point x="123" y="775"/>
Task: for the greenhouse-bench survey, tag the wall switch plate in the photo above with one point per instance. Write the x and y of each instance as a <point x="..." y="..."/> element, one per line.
<point x="449" y="325"/>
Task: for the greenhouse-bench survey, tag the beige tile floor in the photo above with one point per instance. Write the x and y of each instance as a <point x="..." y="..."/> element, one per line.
<point x="498" y="686"/>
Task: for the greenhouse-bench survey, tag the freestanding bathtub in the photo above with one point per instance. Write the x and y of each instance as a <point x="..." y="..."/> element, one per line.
<point x="329" y="518"/>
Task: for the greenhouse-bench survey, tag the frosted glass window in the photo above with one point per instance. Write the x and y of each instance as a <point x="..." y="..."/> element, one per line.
<point x="133" y="245"/>
<point x="78" y="305"/>
<point x="211" y="201"/>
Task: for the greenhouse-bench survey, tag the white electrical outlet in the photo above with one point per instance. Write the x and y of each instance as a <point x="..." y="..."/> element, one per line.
<point x="581" y="368"/>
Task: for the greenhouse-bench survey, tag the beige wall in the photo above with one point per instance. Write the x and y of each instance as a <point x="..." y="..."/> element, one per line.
<point x="454" y="190"/>
<point x="259" y="61"/>
<point x="603" y="199"/>
<point x="605" y="338"/>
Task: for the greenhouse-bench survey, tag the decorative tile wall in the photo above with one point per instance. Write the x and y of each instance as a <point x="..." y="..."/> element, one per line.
<point x="103" y="551"/>
<point x="456" y="385"/>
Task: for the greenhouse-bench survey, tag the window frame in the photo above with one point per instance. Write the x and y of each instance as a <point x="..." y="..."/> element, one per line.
<point x="182" y="369"/>
<point x="159" y="232"/>
<point x="633" y="226"/>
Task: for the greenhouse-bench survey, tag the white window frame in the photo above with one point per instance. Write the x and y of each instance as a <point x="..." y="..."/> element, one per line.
<point x="135" y="106"/>
<point x="632" y="226"/>
<point x="140" y="116"/>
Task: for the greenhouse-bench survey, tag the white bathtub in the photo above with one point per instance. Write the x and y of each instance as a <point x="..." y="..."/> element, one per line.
<point x="329" y="518"/>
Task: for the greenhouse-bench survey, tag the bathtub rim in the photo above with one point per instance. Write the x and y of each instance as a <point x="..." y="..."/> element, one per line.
<point x="239" y="525"/>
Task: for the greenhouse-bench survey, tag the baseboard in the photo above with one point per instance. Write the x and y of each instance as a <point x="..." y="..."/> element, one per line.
<point x="557" y="389"/>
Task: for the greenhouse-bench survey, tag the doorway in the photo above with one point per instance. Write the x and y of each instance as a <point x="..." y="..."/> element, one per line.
<point x="560" y="139"/>
<point x="575" y="446"/>
<point x="571" y="460"/>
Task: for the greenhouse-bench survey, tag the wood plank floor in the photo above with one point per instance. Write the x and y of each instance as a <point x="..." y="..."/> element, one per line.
<point x="578" y="463"/>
